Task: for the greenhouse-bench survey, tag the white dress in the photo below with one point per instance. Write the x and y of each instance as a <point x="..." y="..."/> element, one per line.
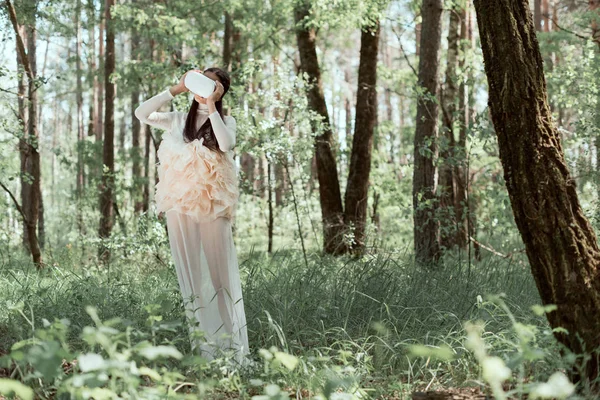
<point x="198" y="191"/>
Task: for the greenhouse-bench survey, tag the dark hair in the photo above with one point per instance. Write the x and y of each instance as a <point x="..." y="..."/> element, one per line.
<point x="206" y="130"/>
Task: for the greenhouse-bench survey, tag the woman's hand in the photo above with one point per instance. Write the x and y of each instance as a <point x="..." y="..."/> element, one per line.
<point x="217" y="94"/>
<point x="180" y="87"/>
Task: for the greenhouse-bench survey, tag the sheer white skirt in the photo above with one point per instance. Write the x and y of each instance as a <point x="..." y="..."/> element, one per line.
<point x="208" y="272"/>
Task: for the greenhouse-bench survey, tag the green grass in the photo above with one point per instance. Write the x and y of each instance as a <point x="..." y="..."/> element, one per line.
<point x="341" y="317"/>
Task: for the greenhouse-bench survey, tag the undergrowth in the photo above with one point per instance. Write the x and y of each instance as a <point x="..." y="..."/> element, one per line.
<point x="324" y="327"/>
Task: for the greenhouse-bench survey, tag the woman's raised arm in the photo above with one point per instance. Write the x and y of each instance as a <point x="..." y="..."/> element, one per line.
<point x="146" y="112"/>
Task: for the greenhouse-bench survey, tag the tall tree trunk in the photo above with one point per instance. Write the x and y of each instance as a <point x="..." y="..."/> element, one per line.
<point x="136" y="151"/>
<point x="426" y="230"/>
<point x="280" y="159"/>
<point x="329" y="186"/>
<point x="92" y="73"/>
<point x="30" y="156"/>
<point x="271" y="219"/>
<point x="462" y="207"/>
<point x="418" y="33"/>
<point x="101" y="67"/>
<point x="387" y="58"/>
<point x="446" y="176"/>
<point x="348" y="102"/>
<point x="560" y="242"/>
<point x="227" y="41"/>
<point x="146" y="189"/>
<point x="80" y="129"/>
<point x="148" y="140"/>
<point x="108" y="157"/>
<point x="23" y="145"/>
<point x="546" y="15"/>
<point x="537" y="14"/>
<point x="136" y="156"/>
<point x="357" y="189"/>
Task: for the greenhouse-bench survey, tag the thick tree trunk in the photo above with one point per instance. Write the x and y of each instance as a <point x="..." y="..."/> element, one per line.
<point x="357" y="189"/>
<point x="446" y="177"/>
<point x="560" y="242"/>
<point x="108" y="157"/>
<point x="329" y="186"/>
<point x="426" y="229"/>
<point x="30" y="156"/>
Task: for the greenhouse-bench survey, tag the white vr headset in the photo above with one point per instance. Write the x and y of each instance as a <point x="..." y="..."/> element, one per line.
<point x="199" y="84"/>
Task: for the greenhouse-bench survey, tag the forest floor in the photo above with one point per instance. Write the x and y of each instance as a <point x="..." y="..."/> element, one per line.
<point x="377" y="327"/>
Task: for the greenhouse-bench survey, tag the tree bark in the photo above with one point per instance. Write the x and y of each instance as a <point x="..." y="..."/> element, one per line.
<point x="357" y="188"/>
<point x="92" y="73"/>
<point x="30" y="156"/>
<point x="537" y="14"/>
<point x="329" y="187"/>
<point x="546" y="15"/>
<point x="227" y="41"/>
<point x="101" y="66"/>
<point x="446" y="177"/>
<point x="146" y="189"/>
<point x="271" y="219"/>
<point x="136" y="151"/>
<point x="463" y="211"/>
<point x="426" y="230"/>
<point x="23" y="146"/>
<point x="108" y="157"/>
<point x="560" y="242"/>
<point x="80" y="129"/>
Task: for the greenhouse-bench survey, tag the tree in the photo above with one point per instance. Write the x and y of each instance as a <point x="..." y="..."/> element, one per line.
<point x="560" y="243"/>
<point x="30" y="156"/>
<point x="426" y="232"/>
<point x="447" y="180"/>
<point x="80" y="127"/>
<point x="136" y="151"/>
<point x="357" y="189"/>
<point x="329" y="188"/>
<point x="108" y="157"/>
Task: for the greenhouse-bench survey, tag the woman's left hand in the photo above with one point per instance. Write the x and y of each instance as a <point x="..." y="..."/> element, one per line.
<point x="217" y="94"/>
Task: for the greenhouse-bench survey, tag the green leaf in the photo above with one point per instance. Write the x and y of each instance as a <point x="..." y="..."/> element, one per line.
<point x="153" y="352"/>
<point x="286" y="359"/>
<point x="9" y="386"/>
<point x="443" y="352"/>
<point x="541" y="310"/>
<point x="150" y="372"/>
<point x="91" y="362"/>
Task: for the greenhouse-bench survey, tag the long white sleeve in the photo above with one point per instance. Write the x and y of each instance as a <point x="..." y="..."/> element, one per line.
<point x="224" y="130"/>
<point x="146" y="112"/>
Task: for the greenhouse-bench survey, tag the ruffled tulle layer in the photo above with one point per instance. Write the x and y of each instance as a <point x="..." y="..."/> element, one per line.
<point x="196" y="181"/>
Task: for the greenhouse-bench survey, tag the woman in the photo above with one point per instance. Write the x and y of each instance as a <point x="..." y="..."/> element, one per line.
<point x="198" y="192"/>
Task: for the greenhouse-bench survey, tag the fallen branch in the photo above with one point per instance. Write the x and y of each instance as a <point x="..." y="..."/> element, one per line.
<point x="495" y="252"/>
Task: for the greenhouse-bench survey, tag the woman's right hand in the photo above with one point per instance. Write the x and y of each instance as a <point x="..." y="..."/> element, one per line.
<point x="183" y="78"/>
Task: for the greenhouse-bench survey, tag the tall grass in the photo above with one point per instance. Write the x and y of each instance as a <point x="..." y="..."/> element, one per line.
<point x="364" y="313"/>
